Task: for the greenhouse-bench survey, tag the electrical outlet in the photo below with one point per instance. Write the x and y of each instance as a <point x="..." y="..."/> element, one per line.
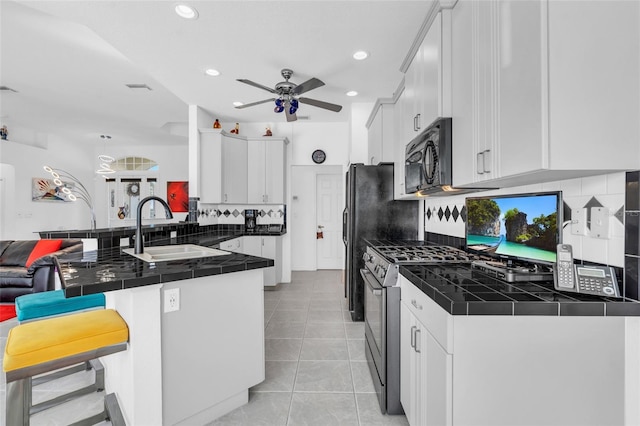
<point x="172" y="300"/>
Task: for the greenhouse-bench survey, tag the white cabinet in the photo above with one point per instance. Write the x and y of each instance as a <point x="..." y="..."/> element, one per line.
<point x="266" y="158"/>
<point x="223" y="167"/>
<point x="427" y="90"/>
<point x="234" y="245"/>
<point x="269" y="248"/>
<point x="426" y="369"/>
<point x="539" y="92"/>
<point x="381" y="131"/>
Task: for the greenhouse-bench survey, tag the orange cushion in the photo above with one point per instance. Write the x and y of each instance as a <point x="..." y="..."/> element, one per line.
<point x="36" y="342"/>
<point x="43" y="247"/>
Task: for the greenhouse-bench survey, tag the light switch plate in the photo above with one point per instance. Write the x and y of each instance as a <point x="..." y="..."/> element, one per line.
<point x="600" y="222"/>
<point x="579" y="221"/>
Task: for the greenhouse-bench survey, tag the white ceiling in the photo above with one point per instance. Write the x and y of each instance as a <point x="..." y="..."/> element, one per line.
<point x="69" y="61"/>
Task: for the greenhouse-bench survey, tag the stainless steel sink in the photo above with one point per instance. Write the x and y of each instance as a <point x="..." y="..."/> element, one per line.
<point x="175" y="252"/>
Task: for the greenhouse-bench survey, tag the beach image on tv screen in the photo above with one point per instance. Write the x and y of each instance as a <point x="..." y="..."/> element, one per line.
<point x="519" y="226"/>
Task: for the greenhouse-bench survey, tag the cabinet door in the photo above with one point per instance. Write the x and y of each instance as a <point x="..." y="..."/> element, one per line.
<point x="266" y="171"/>
<point x="462" y="96"/>
<point x="274" y="172"/>
<point x="409" y="397"/>
<point x="520" y="87"/>
<point x="256" y="153"/>
<point x="232" y="245"/>
<point x="252" y="246"/>
<point x="375" y="137"/>
<point x="234" y="170"/>
<point x="435" y="381"/>
<point x="210" y="185"/>
<point x="431" y="68"/>
<point x="269" y="252"/>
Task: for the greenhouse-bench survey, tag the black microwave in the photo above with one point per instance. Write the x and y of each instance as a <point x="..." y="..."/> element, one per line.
<point x="428" y="160"/>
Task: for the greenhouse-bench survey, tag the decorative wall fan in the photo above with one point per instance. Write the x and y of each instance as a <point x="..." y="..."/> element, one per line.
<point x="288" y="93"/>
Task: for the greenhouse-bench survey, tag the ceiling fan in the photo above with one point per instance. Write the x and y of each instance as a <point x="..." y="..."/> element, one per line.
<point x="288" y="95"/>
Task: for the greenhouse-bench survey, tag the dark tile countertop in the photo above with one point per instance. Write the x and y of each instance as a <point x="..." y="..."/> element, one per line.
<point x="111" y="269"/>
<point x="461" y="290"/>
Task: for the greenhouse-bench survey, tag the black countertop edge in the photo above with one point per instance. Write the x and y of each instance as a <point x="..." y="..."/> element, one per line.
<point x="189" y="228"/>
<point x="532" y="299"/>
<point x="111" y="269"/>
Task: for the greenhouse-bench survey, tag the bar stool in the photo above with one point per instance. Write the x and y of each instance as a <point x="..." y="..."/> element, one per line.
<point x="49" y="304"/>
<point x="43" y="346"/>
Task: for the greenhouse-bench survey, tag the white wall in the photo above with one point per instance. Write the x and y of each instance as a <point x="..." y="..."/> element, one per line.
<point x="26" y="217"/>
<point x="608" y="190"/>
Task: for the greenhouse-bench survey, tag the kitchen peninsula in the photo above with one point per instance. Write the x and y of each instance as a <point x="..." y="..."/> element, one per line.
<point x="187" y="366"/>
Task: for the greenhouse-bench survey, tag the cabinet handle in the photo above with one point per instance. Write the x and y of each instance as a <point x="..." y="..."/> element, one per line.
<point x="415" y="304"/>
<point x="225" y="198"/>
<point x="485" y="161"/>
<point x="413" y="336"/>
<point x="480" y="163"/>
<point x="415" y="123"/>
<point x="418" y="121"/>
<point x="417" y="342"/>
<point x="266" y="198"/>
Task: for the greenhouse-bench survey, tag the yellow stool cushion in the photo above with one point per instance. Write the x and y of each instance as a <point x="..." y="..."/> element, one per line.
<point x="51" y="339"/>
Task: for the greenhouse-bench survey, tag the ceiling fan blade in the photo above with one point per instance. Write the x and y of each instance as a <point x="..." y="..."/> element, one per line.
<point x="290" y="117"/>
<point x="258" y="85"/>
<point x="321" y="104"/>
<point x="255" y="103"/>
<point x="310" y="84"/>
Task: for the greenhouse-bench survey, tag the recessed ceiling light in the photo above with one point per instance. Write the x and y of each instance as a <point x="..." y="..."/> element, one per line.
<point x="352" y="93"/>
<point x="186" y="12"/>
<point x="212" y="72"/>
<point x="237" y="103"/>
<point x="360" y="55"/>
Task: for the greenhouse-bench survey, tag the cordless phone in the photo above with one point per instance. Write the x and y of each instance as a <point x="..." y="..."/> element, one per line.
<point x="564" y="267"/>
<point x="585" y="279"/>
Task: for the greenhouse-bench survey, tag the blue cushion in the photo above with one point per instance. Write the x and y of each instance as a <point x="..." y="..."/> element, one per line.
<point x="50" y="303"/>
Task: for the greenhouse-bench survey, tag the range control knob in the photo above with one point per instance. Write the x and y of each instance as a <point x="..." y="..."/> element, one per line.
<point x="366" y="257"/>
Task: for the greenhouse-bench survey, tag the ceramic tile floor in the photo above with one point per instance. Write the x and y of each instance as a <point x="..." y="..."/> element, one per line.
<point x="316" y="371"/>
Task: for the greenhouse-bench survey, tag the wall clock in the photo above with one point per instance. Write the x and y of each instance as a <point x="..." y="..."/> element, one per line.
<point x="133" y="189"/>
<point x="318" y="156"/>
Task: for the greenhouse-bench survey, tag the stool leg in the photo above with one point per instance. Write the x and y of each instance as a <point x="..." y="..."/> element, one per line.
<point x="18" y="402"/>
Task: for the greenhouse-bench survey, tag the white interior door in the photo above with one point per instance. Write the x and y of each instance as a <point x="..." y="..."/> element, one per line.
<point x="329" y="248"/>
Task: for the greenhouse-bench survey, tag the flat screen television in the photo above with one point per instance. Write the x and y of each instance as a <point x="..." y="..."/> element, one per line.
<point x="525" y="227"/>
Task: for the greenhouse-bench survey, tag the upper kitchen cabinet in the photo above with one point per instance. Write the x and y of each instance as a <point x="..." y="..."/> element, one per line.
<point x="223" y="165"/>
<point x="381" y="131"/>
<point x="426" y="77"/>
<point x="544" y="90"/>
<point x="266" y="172"/>
<point x="425" y="93"/>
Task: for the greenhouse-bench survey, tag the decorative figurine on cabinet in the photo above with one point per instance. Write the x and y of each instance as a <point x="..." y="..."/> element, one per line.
<point x="216" y="124"/>
<point x="268" y="132"/>
<point x="236" y="130"/>
<point x="4" y="133"/>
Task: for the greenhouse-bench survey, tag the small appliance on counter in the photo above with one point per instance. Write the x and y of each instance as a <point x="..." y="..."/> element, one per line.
<point x="250" y="217"/>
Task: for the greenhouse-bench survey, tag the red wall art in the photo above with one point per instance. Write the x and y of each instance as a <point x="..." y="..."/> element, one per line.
<point x="178" y="196"/>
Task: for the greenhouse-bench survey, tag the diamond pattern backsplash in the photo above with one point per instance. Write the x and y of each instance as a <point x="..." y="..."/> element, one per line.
<point x="234" y="214"/>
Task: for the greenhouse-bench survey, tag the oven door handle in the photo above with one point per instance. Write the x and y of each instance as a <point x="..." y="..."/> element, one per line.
<point x="376" y="288"/>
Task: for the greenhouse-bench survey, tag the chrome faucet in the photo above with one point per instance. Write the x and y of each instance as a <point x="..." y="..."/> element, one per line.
<point x="139" y="244"/>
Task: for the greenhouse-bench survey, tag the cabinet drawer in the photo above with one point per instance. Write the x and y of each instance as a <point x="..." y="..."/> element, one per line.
<point x="437" y="321"/>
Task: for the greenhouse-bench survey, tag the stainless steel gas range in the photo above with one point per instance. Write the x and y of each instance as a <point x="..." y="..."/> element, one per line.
<point x="382" y="260"/>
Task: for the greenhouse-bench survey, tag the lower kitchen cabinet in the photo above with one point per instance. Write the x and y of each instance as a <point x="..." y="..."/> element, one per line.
<point x="514" y="369"/>
<point x="232" y="245"/>
<point x="425" y="374"/>
<point x="269" y="248"/>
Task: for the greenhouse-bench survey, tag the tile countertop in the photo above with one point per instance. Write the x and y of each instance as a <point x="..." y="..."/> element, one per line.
<point x="460" y="290"/>
<point x="111" y="269"/>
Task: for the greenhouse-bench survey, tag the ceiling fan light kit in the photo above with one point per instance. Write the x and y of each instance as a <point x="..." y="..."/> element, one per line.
<point x="288" y="98"/>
